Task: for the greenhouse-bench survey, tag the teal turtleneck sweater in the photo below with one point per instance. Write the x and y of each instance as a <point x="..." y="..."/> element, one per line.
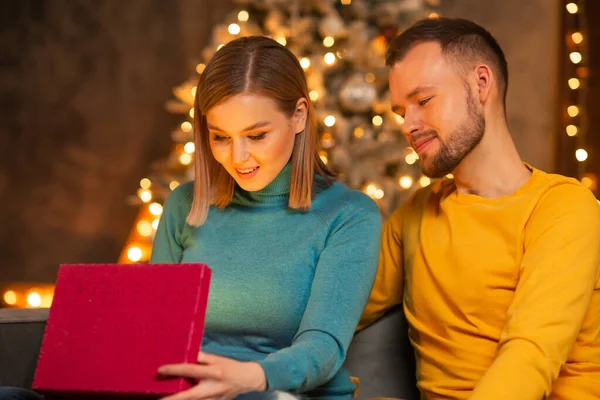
<point x="288" y="288"/>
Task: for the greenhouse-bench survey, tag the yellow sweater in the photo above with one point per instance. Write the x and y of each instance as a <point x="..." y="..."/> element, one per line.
<point x="502" y="295"/>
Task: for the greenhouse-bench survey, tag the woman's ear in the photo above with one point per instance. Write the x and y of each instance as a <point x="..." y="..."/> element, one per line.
<point x="300" y="115"/>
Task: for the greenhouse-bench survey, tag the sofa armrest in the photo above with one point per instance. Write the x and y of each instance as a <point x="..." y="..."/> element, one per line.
<point x="21" y="334"/>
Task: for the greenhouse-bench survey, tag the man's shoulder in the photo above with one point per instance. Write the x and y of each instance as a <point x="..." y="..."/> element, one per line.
<point x="561" y="190"/>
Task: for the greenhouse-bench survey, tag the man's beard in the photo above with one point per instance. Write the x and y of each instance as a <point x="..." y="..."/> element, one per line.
<point x="457" y="145"/>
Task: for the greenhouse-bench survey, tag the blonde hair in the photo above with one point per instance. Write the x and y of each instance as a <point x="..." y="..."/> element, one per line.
<point x="261" y="66"/>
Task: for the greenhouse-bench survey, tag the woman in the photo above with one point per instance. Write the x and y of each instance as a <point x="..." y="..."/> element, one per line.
<point x="293" y="253"/>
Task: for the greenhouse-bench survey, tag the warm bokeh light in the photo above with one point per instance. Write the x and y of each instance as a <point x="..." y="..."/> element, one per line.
<point x="155" y="209"/>
<point x="571" y="130"/>
<point x="144" y="228"/>
<point x="572" y="8"/>
<point x="234" y="29"/>
<point x="186" y="126"/>
<point x="405" y="182"/>
<point x="329" y="58"/>
<point x="189" y="147"/>
<point x="34" y="299"/>
<point x="10" y="297"/>
<point x="573" y="111"/>
<point x="243" y="16"/>
<point x="134" y="254"/>
<point x="185" y="159"/>
<point x="574" y="83"/>
<point x="145" y="183"/>
<point x="581" y="155"/>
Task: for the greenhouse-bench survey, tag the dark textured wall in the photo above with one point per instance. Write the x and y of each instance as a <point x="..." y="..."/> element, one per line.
<point x="528" y="32"/>
<point x="82" y="91"/>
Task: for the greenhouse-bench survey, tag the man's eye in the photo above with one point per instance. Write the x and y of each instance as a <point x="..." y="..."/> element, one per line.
<point x="424" y="101"/>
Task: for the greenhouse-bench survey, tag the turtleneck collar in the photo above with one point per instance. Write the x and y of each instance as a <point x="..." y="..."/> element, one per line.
<point x="275" y="193"/>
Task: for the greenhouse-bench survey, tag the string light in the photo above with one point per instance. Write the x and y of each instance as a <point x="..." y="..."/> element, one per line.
<point x="234" y="29"/>
<point x="200" y="68"/>
<point x="581" y="155"/>
<point x="144" y="228"/>
<point x="575" y="57"/>
<point x="410" y="158"/>
<point x="155" y="209"/>
<point x="155" y="224"/>
<point x="220" y="46"/>
<point x="377" y="120"/>
<point x="134" y="254"/>
<point x="574" y="83"/>
<point x="243" y="16"/>
<point x="346" y="2"/>
<point x="577" y="37"/>
<point x="189" y="147"/>
<point x="314" y="95"/>
<point x="34" y="299"/>
<point x="173" y="185"/>
<point x="304" y="63"/>
<point x="329" y="121"/>
<point x="573" y="111"/>
<point x="328" y="41"/>
<point x="10" y="297"/>
<point x="405" y="182"/>
<point x="145" y="195"/>
<point x="185" y="159"/>
<point x="572" y="8"/>
<point x="358" y="132"/>
<point x="282" y="40"/>
<point x="186" y="126"/>
<point x="571" y="130"/>
<point x="329" y="58"/>
<point x="145" y="183"/>
<point x="424" y="181"/>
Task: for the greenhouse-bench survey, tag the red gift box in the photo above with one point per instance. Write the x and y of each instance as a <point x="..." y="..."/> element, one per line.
<point x="111" y="326"/>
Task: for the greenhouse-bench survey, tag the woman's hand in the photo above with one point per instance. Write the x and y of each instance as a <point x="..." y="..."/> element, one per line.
<point x="219" y="378"/>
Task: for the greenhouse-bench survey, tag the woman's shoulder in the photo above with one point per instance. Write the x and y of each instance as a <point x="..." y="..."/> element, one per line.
<point x="338" y="198"/>
<point x="180" y="198"/>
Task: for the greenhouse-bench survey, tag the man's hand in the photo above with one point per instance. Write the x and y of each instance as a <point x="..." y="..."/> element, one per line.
<point x="219" y="378"/>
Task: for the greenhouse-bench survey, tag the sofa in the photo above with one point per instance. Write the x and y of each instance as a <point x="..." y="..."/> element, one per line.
<point x="380" y="356"/>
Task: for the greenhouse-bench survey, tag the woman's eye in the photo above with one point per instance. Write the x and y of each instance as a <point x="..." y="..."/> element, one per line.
<point x="219" y="138"/>
<point x="257" y="137"/>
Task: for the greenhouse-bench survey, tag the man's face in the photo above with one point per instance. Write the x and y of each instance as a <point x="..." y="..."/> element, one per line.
<point x="441" y="118"/>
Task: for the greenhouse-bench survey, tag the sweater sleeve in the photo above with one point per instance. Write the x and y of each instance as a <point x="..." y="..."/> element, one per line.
<point x="558" y="273"/>
<point x="167" y="247"/>
<point x="343" y="279"/>
<point x="388" y="287"/>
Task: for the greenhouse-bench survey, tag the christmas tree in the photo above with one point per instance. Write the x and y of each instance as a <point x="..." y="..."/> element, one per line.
<point x="341" y="46"/>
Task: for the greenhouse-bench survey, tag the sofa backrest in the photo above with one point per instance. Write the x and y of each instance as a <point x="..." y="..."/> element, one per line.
<point x="380" y="355"/>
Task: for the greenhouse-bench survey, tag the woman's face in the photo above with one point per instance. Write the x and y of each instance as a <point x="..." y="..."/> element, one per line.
<point x="252" y="139"/>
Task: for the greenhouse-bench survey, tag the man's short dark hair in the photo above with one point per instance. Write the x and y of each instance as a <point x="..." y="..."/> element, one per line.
<point x="462" y="41"/>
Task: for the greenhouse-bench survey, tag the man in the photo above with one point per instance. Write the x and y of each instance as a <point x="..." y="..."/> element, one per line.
<point x="497" y="268"/>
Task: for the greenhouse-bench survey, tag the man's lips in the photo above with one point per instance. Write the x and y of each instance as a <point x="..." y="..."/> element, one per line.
<point x="420" y="144"/>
